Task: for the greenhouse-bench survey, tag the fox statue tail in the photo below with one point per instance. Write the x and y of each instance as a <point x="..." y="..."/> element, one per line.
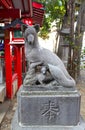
<point x="60" y="77"/>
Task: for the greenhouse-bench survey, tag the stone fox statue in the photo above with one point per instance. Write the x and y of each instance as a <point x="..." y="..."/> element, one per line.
<point x="36" y="55"/>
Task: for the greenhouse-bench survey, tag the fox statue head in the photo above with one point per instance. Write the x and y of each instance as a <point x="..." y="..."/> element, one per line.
<point x="30" y="33"/>
<point x="30" y="37"/>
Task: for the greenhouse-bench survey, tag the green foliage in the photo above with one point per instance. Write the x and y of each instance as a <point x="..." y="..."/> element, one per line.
<point x="54" y="10"/>
<point x="83" y="58"/>
<point x="45" y="29"/>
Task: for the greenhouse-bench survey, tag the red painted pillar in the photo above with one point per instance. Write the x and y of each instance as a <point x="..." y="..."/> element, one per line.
<point x="8" y="66"/>
<point x="23" y="60"/>
<point x="19" y="65"/>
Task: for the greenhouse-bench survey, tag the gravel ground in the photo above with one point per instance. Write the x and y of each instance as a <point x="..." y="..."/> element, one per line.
<point x="6" y="123"/>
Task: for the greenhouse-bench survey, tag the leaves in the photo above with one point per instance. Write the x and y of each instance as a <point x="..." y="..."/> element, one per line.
<point x="54" y="10"/>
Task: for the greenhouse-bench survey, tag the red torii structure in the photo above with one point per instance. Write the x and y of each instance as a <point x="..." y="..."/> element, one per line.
<point x="9" y="11"/>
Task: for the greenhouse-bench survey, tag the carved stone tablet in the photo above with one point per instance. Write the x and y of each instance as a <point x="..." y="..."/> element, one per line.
<point x="48" y="107"/>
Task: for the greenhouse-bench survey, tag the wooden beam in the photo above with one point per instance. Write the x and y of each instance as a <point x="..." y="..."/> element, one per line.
<point x="9" y="3"/>
<point x="30" y="7"/>
<point x="10" y="13"/>
<point x="23" y="5"/>
<point x="4" y="4"/>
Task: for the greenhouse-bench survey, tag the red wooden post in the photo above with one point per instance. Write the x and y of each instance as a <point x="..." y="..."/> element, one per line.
<point x="8" y="66"/>
<point x="19" y="65"/>
<point x="23" y="60"/>
<point x="10" y="13"/>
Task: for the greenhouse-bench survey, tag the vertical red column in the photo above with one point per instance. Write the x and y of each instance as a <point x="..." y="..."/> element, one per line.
<point x="19" y="65"/>
<point x="8" y="66"/>
<point x="23" y="60"/>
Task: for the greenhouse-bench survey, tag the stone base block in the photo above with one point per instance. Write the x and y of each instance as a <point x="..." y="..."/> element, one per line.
<point x="48" y="107"/>
<point x="17" y="126"/>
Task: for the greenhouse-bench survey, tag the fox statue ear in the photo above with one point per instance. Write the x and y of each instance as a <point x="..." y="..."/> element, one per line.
<point x="37" y="27"/>
<point x="23" y="27"/>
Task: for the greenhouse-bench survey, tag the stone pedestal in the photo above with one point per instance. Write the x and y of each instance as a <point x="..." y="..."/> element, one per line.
<point x="40" y="108"/>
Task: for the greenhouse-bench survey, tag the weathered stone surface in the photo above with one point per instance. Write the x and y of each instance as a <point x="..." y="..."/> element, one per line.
<point x="17" y="126"/>
<point x="48" y="107"/>
<point x="36" y="55"/>
<point x="44" y="105"/>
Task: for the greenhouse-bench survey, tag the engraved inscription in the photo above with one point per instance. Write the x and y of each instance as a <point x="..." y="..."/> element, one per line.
<point x="51" y="110"/>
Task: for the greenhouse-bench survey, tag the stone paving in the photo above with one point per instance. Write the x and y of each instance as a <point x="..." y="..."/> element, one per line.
<point x="82" y="92"/>
<point x="81" y="88"/>
<point x="3" y="109"/>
